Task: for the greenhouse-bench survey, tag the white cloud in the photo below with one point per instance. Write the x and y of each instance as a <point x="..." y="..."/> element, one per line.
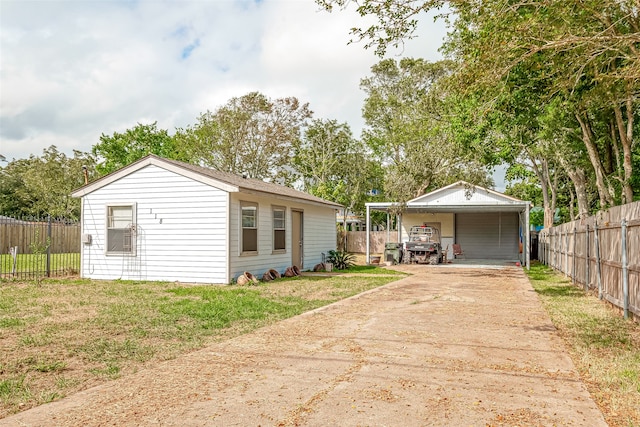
<point x="71" y="70"/>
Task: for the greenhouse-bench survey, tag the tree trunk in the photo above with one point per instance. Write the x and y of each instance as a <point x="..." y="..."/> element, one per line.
<point x="541" y="172"/>
<point x="578" y="178"/>
<point x="553" y="188"/>
<point x="626" y="138"/>
<point x="606" y="197"/>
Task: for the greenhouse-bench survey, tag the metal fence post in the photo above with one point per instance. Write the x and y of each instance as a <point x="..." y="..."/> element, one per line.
<point x="625" y="270"/>
<point x="48" y="245"/>
<point x="598" y="268"/>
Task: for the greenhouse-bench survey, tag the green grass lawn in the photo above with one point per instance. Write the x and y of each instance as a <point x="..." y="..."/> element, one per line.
<point x="604" y="347"/>
<point x="62" y="336"/>
<point x="67" y="263"/>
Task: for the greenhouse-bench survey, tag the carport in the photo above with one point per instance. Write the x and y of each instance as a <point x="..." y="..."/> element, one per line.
<point x="487" y="224"/>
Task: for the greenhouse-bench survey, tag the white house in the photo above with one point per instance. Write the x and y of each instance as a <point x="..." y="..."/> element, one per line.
<point x="160" y="219"/>
<point x="487" y="224"/>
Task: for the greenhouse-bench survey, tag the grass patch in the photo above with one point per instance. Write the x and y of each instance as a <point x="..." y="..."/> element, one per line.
<point x="69" y="262"/>
<point x="13" y="389"/>
<point x="94" y="331"/>
<point x="604" y="347"/>
<point x="372" y="269"/>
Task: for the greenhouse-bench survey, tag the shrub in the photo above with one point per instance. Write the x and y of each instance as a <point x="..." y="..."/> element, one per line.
<point x="341" y="260"/>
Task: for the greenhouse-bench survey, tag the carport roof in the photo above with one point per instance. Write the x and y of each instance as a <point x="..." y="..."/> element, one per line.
<point x="459" y="197"/>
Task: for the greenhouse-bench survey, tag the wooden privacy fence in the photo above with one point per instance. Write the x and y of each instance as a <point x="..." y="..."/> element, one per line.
<point x="356" y="241"/>
<point x="38" y="247"/>
<point x="601" y="252"/>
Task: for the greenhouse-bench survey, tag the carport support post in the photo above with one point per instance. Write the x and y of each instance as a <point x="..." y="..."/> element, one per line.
<point x="388" y="230"/>
<point x="368" y="254"/>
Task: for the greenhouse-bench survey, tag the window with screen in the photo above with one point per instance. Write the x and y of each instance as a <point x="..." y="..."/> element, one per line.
<point x="121" y="229"/>
<point x="249" y="227"/>
<point x="279" y="228"/>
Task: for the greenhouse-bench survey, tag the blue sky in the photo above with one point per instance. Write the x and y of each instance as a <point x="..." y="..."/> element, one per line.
<point x="72" y="70"/>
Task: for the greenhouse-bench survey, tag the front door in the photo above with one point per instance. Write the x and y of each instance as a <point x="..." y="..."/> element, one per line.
<point x="297" y="238"/>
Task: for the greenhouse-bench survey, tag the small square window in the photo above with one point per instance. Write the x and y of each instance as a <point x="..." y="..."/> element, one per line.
<point x="121" y="229"/>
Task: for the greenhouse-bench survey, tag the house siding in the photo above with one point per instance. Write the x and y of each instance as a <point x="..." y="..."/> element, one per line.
<point x="319" y="234"/>
<point x="181" y="229"/>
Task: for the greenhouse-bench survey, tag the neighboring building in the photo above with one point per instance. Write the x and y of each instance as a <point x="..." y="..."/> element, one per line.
<point x="353" y="222"/>
<point x="487" y="224"/>
<point x="160" y="219"/>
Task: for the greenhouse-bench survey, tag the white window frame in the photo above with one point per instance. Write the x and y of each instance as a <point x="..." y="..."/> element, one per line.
<point x="130" y="228"/>
<point x="252" y="206"/>
<point x="282" y="229"/>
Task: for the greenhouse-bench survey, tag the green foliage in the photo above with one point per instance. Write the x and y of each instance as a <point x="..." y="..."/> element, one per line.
<point x="122" y="149"/>
<point x="333" y="165"/>
<point x="341" y="260"/>
<point x="41" y="186"/>
<point x="407" y="132"/>
<point x="551" y="85"/>
<point x="251" y="134"/>
<point x="536" y="217"/>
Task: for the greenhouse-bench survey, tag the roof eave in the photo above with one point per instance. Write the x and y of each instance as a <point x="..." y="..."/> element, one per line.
<point x="291" y="199"/>
<point x="155" y="161"/>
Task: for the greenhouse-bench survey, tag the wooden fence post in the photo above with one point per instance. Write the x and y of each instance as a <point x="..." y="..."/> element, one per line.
<point x="573" y="263"/>
<point x="552" y="249"/>
<point x="625" y="270"/>
<point x="598" y="268"/>
<point x="566" y="253"/>
<point x="587" y="276"/>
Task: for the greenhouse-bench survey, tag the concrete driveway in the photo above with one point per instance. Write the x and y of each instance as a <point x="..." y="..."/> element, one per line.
<point x="444" y="347"/>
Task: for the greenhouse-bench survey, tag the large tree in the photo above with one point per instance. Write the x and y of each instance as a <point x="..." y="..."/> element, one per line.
<point x="334" y="165"/>
<point x="252" y="134"/>
<point x="584" y="52"/>
<point x="408" y="132"/>
<point x="40" y="186"/>
<point x="122" y="148"/>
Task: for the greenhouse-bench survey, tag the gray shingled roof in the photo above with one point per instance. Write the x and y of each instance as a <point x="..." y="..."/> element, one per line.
<point x="249" y="183"/>
<point x="246" y="184"/>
